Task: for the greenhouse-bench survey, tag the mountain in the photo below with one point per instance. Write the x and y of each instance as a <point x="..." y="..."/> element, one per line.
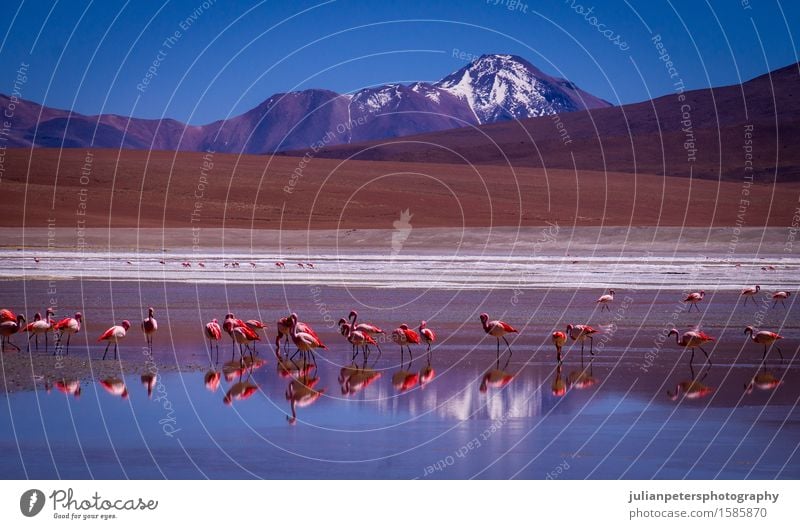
<point x="492" y="88"/>
<point x="723" y="131"/>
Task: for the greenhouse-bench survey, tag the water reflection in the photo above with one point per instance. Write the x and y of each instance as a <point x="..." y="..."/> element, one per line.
<point x="301" y="393"/>
<point x="212" y="379"/>
<point x="242" y="390"/>
<point x="763" y="380"/>
<point x="115" y="386"/>
<point x="692" y="388"/>
<point x="149" y="381"/>
<point x="404" y="380"/>
<point x="583" y="378"/>
<point x="495" y="378"/>
<point x="558" y="388"/>
<point x="68" y="386"/>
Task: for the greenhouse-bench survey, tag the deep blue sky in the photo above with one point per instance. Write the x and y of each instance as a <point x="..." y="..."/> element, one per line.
<point x="91" y="56"/>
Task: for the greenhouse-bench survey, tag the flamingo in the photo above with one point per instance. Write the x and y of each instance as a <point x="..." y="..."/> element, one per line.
<point x="213" y="333"/>
<point x="749" y="292"/>
<point x="581" y="333"/>
<point x="357" y="339"/>
<point x="227" y="325"/>
<point x="766" y="338"/>
<point x="10" y="327"/>
<point x="40" y="326"/>
<point x="150" y="326"/>
<point x="68" y="326"/>
<point x="428" y="336"/>
<point x="305" y="341"/>
<point x="780" y="296"/>
<point x="403" y="336"/>
<point x="284" y="327"/>
<point x="559" y="339"/>
<point x="366" y="328"/>
<point x="694" y="298"/>
<point x="244" y="336"/>
<point x="498" y="329"/>
<point x="692" y="339"/>
<point x="114" y="335"/>
<point x="605" y="300"/>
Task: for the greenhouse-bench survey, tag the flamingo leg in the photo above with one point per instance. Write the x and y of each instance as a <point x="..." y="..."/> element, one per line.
<point x="12" y="344"/>
<point x="45" y="343"/>
<point x="69" y="337"/>
<point x="779" y="352"/>
<point x="691" y="360"/>
<point x="591" y="345"/>
<point x="116" y="350"/>
<point x="106" y="351"/>
<point x="764" y="355"/>
<point x="509" y="348"/>
<point x="784" y="304"/>
<point x="498" y="353"/>
<point x="707" y="358"/>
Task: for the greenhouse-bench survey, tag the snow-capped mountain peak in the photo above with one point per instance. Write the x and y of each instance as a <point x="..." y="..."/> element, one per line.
<point x="503" y="87"/>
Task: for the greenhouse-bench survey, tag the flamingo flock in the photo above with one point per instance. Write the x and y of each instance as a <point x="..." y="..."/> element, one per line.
<point x="363" y="337"/>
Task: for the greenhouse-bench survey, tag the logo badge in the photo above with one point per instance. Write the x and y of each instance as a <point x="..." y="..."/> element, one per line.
<point x="31" y="502"/>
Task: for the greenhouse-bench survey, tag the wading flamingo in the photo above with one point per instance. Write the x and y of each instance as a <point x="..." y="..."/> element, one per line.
<point x="68" y="326"/>
<point x="749" y="292"/>
<point x="8" y="328"/>
<point x="213" y="333"/>
<point x="357" y="339"/>
<point x="691" y="340"/>
<point x="305" y="341"/>
<point x="765" y="338"/>
<point x="693" y="299"/>
<point x="498" y="329"/>
<point x="114" y="335"/>
<point x="403" y="336"/>
<point x="579" y="333"/>
<point x="366" y="328"/>
<point x="428" y="336"/>
<point x="244" y="336"/>
<point x="780" y="296"/>
<point x="40" y="326"/>
<point x="150" y="326"/>
<point x="559" y="339"/>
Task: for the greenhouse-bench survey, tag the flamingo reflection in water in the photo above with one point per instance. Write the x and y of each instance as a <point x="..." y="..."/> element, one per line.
<point x="558" y="388"/>
<point x="693" y="388"/>
<point x="212" y="379"/>
<point x="495" y="378"/>
<point x="149" y="381"/>
<point x="115" y="386"/>
<point x="301" y="393"/>
<point x="68" y="386"/>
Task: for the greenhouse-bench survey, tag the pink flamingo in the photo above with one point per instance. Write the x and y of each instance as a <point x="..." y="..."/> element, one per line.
<point x="559" y="339"/>
<point x="40" y="326"/>
<point x="214" y="334"/>
<point x="114" y="335"/>
<point x="605" y="300"/>
<point x="10" y="327"/>
<point x="305" y="341"/>
<point x="694" y="298"/>
<point x="428" y="336"/>
<point x="765" y="338"/>
<point x="284" y="328"/>
<point x="68" y="326"/>
<point x="403" y="336"/>
<point x="579" y="333"/>
<point x="692" y="339"/>
<point x="149" y="326"/>
<point x="780" y="296"/>
<point x="749" y="292"/>
<point x="498" y="329"/>
<point x="244" y="336"/>
<point x="357" y="339"/>
<point x="240" y="391"/>
<point x="228" y="325"/>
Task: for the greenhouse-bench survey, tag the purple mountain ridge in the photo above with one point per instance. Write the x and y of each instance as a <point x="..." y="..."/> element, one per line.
<point x="491" y="89"/>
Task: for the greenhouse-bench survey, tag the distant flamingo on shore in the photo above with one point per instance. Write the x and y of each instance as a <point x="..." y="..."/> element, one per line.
<point x="150" y="326"/>
<point x="498" y="329"/>
<point x="765" y="338"/>
<point x="605" y="300"/>
<point x="68" y="326"/>
<point x="114" y="335"/>
<point x="693" y="299"/>
<point x="780" y="296"/>
<point x="748" y="293"/>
